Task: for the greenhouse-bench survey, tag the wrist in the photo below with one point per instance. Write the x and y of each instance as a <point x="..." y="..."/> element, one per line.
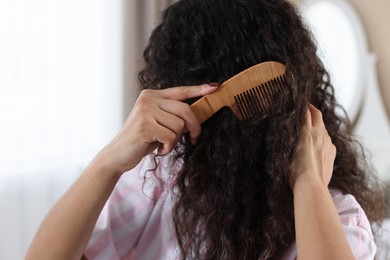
<point x="307" y="181"/>
<point x="101" y="165"/>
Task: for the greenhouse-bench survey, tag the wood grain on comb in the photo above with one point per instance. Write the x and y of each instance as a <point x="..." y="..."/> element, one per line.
<point x="248" y="93"/>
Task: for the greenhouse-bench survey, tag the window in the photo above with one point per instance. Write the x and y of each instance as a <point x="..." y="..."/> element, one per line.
<point x="60" y="81"/>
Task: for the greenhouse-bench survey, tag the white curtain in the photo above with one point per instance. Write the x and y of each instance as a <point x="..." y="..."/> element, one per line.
<point x="68" y="73"/>
<point x="61" y="85"/>
<point x="56" y="71"/>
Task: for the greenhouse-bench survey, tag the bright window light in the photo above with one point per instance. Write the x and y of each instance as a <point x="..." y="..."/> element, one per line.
<point x="60" y="81"/>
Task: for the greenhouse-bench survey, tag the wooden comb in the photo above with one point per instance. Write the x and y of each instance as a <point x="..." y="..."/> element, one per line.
<point x="248" y="93"/>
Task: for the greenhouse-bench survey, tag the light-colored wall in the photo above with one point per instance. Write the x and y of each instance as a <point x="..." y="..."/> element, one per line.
<point x="141" y="16"/>
<point x="373" y="125"/>
<point x="375" y="17"/>
<point x="376" y="20"/>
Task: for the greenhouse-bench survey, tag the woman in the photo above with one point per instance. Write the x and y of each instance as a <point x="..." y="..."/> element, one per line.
<point x="228" y="189"/>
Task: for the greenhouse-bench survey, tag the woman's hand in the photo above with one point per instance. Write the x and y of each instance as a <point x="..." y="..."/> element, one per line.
<point x="315" y="152"/>
<point x="318" y="230"/>
<point x="157" y="121"/>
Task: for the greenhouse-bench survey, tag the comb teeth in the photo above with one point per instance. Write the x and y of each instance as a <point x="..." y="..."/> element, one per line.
<point x="260" y="99"/>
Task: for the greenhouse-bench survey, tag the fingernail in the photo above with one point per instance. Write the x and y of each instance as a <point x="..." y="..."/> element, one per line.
<point x="213" y="85"/>
<point x="194" y="141"/>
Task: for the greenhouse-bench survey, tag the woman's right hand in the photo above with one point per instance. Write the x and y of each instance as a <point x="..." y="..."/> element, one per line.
<point x="157" y="120"/>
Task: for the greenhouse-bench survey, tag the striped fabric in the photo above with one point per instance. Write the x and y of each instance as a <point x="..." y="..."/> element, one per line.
<point x="136" y="222"/>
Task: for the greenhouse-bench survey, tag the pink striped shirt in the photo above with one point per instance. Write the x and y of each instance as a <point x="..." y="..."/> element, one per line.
<point x="136" y="222"/>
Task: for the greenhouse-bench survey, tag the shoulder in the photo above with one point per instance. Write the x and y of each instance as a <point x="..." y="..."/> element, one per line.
<point x="356" y="225"/>
<point x="349" y="210"/>
<point x="134" y="210"/>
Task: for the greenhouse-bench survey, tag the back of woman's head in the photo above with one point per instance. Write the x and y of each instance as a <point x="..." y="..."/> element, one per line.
<point x="209" y="41"/>
<point x="234" y="199"/>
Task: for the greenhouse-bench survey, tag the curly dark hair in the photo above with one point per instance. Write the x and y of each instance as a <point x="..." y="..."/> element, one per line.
<point x="233" y="199"/>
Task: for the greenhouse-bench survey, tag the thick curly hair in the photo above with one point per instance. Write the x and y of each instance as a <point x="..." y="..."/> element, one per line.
<point x="233" y="199"/>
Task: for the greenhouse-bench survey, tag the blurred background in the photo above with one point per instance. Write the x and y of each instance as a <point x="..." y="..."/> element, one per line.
<point x="68" y="72"/>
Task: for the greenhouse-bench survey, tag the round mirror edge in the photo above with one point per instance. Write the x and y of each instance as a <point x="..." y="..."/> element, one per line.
<point x="362" y="45"/>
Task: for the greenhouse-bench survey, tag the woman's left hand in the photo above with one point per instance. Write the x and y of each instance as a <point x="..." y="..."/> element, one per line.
<point x="315" y="153"/>
<point x="318" y="230"/>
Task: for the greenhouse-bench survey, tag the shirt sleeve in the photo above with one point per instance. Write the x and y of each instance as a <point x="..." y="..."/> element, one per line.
<point x="381" y="231"/>
<point x="356" y="226"/>
<point x="125" y="214"/>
